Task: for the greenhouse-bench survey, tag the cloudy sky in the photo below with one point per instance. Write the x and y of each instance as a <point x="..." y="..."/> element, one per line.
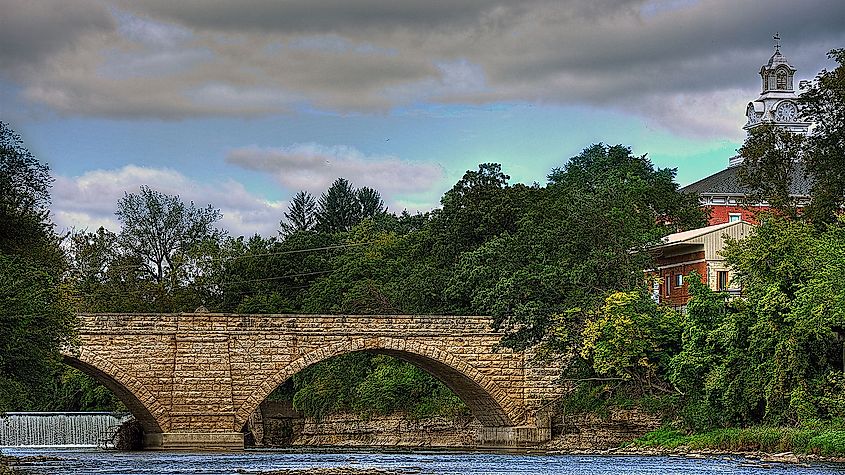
<point x="241" y="104"/>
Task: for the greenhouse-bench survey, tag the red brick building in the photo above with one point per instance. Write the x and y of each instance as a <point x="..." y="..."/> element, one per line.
<point x="697" y="250"/>
<point x="724" y="196"/>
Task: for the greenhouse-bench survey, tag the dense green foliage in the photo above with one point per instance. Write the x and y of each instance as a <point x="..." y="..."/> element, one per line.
<point x="538" y="258"/>
<point x="824" y="105"/>
<point x="35" y="316"/>
<point x="775" y="356"/>
<point x="372" y="385"/>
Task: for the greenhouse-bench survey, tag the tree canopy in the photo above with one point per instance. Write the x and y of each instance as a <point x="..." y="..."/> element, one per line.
<point x="159" y="231"/>
<point x="35" y="316"/>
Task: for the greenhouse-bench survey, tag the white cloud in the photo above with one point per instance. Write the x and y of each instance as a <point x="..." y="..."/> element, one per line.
<point x="714" y="114"/>
<point x="314" y="167"/>
<point x="89" y="200"/>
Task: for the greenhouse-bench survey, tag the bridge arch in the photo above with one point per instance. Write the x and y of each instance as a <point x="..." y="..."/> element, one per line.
<point x="141" y="403"/>
<point x="489" y="403"/>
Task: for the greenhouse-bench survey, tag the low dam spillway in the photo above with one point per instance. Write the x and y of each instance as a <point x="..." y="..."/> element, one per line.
<point x="33" y="429"/>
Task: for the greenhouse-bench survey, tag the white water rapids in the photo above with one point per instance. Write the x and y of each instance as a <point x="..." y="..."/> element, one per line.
<point x="40" y="429"/>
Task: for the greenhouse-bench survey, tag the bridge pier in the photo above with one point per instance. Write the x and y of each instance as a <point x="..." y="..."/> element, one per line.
<point x="512" y="436"/>
<point x="194" y="441"/>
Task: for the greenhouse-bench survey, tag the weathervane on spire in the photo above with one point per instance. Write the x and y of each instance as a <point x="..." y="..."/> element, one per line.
<point x="776" y="37"/>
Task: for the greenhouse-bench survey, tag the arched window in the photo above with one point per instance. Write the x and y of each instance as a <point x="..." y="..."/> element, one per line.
<point x="781" y="85"/>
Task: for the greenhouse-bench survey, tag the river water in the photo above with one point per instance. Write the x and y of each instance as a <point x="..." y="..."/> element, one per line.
<point x="79" y="460"/>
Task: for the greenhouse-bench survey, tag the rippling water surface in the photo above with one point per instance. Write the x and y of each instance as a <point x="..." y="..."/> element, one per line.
<point x="79" y="461"/>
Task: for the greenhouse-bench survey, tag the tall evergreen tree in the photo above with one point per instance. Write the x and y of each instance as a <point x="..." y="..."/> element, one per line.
<point x="301" y="214"/>
<point x="371" y="203"/>
<point x="338" y="209"/>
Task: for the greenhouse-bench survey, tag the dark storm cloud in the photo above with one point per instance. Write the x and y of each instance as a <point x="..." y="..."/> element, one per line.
<point x="322" y="16"/>
<point x="173" y="59"/>
<point x="31" y="31"/>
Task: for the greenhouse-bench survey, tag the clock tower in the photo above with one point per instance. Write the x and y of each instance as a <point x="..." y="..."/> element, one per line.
<point x="778" y="103"/>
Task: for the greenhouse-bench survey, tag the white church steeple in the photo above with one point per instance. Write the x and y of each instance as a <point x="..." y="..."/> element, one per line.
<point x="778" y="103"/>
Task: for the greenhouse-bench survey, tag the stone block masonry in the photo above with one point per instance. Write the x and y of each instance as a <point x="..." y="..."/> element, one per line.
<point x="193" y="379"/>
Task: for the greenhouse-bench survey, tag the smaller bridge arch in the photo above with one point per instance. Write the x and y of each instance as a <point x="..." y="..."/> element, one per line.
<point x="488" y="403"/>
<point x="141" y="403"/>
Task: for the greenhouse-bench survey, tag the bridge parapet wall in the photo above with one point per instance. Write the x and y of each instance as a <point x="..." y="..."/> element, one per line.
<point x="420" y="325"/>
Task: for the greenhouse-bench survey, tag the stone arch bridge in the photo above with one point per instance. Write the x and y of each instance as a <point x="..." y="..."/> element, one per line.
<point x="193" y="379"/>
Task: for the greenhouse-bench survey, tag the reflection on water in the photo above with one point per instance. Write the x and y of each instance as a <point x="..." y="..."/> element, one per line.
<point x="77" y="461"/>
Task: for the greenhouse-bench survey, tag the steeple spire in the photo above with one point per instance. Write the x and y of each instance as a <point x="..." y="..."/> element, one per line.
<point x="776" y="37"/>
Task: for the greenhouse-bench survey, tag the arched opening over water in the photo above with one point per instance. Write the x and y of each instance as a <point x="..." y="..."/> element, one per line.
<point x="488" y="403"/>
<point x="127" y="390"/>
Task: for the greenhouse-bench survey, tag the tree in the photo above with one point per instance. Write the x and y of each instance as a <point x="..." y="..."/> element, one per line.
<point x="159" y="230"/>
<point x="91" y="255"/>
<point x="823" y="104"/>
<point x="631" y="338"/>
<point x="479" y="206"/>
<point x="583" y="235"/>
<point x="338" y="209"/>
<point x="769" y="159"/>
<point x="371" y="203"/>
<point x="36" y="322"/>
<point x="773" y="357"/>
<point x="24" y="202"/>
<point x="301" y="214"/>
<point x="35" y="318"/>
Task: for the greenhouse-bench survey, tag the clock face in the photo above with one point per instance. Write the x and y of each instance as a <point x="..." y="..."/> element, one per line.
<point x="786" y="112"/>
<point x="751" y="114"/>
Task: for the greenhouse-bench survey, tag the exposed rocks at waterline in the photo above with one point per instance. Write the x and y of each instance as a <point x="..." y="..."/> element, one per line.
<point x="592" y="432"/>
<point x="129" y="436"/>
<point x="17" y="465"/>
<point x="277" y="425"/>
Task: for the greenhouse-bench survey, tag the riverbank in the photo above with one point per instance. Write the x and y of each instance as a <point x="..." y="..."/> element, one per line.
<point x="824" y="441"/>
<point x="11" y="465"/>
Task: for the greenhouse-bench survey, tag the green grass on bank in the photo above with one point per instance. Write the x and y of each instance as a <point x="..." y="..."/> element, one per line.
<point x="825" y="439"/>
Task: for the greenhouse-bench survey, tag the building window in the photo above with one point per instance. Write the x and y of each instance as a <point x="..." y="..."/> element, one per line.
<point x="722" y="280"/>
<point x="679" y="280"/>
<point x="667" y="287"/>
<point x="782" y="80"/>
<point x="734" y="217"/>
